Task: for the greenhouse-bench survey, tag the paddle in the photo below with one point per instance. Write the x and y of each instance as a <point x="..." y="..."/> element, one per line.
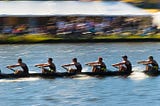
<point x="116" y="67"/>
<point x="40" y="67"/>
<point x="11" y="69"/>
<point x="65" y="68"/>
<point x="87" y="64"/>
<point x="44" y="70"/>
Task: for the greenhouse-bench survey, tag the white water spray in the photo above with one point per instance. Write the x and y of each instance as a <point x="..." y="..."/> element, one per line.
<point x="19" y="80"/>
<point x="138" y="74"/>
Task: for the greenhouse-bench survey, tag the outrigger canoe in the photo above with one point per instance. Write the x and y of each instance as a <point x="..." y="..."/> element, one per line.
<point x="152" y="73"/>
<point x="65" y="74"/>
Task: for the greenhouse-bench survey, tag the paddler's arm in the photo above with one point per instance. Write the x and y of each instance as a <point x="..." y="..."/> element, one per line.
<point x="66" y="65"/>
<point x="118" y="64"/>
<point x="143" y="62"/>
<point x="12" y="66"/>
<point x="91" y="63"/>
<point x="41" y="65"/>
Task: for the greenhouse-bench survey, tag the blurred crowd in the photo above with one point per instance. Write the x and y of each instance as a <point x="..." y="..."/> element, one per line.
<point x="84" y="25"/>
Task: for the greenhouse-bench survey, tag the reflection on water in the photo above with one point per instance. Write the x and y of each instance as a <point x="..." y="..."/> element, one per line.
<point x="137" y="89"/>
<point x="19" y="80"/>
<point x="81" y="77"/>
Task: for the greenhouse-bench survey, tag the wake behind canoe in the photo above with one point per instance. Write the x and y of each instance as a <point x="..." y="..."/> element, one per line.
<point x="65" y="74"/>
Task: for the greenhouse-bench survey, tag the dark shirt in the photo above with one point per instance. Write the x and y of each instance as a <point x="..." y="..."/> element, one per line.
<point x="78" y="66"/>
<point x="102" y="67"/>
<point x="154" y="63"/>
<point x="128" y="65"/>
<point x="52" y="67"/>
<point x="25" y="68"/>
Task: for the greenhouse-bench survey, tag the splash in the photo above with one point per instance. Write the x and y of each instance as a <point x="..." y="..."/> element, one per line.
<point x="138" y="74"/>
<point x="19" y="80"/>
<point x="82" y="77"/>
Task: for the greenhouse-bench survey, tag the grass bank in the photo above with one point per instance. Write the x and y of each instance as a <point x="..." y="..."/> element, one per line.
<point x="26" y="39"/>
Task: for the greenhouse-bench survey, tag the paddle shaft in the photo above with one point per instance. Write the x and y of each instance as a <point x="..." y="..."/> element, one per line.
<point x="41" y="67"/>
<point x="116" y="67"/>
<point x="65" y="68"/>
<point x="11" y="69"/>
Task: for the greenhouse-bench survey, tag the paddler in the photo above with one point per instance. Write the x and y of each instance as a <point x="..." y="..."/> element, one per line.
<point x="151" y="64"/>
<point x="98" y="66"/>
<point x="51" y="66"/>
<point x="24" y="67"/>
<point x="77" y="69"/>
<point x="125" y="65"/>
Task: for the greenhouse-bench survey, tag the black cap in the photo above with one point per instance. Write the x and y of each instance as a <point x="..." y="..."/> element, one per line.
<point x="124" y="56"/>
<point x="19" y="59"/>
<point x="150" y="57"/>
<point x="50" y="59"/>
<point x="100" y="58"/>
<point x="74" y="59"/>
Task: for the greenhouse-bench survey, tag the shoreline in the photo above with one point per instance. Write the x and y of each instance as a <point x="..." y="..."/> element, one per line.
<point x="37" y="39"/>
<point x="85" y="41"/>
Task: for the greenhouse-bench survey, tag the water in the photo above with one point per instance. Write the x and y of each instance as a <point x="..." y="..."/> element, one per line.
<point x="137" y="89"/>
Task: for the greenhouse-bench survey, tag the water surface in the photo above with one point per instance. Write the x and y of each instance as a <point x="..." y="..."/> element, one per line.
<point x="137" y="89"/>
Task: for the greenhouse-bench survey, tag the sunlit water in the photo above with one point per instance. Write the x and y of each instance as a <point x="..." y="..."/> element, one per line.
<point x="137" y="89"/>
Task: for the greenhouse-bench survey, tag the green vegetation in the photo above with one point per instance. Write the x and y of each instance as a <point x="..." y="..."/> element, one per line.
<point x="23" y="39"/>
<point x="27" y="38"/>
<point x="129" y="37"/>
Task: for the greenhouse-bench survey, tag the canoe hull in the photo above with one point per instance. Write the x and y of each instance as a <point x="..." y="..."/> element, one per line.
<point x="152" y="72"/>
<point x="66" y="74"/>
